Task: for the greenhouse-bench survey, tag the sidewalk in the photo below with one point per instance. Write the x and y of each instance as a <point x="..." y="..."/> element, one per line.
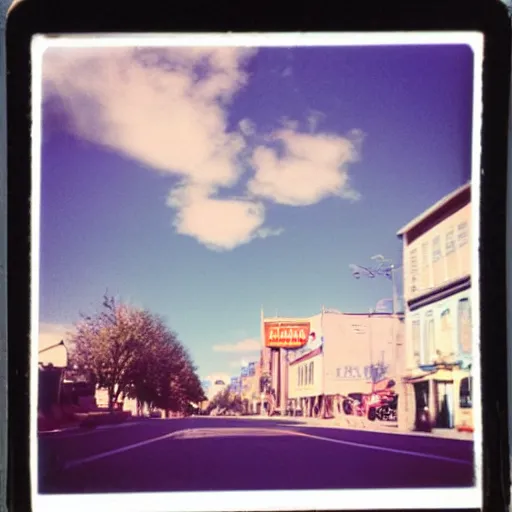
<point x="357" y="423"/>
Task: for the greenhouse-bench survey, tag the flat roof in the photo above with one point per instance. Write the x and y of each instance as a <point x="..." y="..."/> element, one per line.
<point x="427" y="213"/>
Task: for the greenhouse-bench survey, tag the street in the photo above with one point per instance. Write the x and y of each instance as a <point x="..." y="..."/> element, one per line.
<point x="220" y="454"/>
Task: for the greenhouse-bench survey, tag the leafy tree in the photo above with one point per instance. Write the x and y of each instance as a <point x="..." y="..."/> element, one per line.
<point x="132" y="353"/>
<point x="226" y="400"/>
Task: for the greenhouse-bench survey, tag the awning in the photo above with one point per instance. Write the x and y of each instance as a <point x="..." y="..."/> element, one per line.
<point x="441" y="374"/>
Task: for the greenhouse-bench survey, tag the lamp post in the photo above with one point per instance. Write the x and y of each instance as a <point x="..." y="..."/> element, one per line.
<point x="386" y="268"/>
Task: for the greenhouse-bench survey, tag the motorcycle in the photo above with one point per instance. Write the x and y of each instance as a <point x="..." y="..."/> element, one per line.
<point x="383" y="408"/>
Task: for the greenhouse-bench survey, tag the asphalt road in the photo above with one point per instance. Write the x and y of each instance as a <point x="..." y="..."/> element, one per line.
<point x="219" y="454"/>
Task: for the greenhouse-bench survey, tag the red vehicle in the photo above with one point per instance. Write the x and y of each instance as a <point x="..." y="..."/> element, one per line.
<point x="379" y="405"/>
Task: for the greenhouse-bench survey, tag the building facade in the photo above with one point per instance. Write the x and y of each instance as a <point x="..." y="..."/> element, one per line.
<point x="345" y="353"/>
<point x="250" y="388"/>
<point x="437" y="294"/>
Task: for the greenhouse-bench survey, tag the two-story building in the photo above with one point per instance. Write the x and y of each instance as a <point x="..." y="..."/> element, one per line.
<point x="437" y="294"/>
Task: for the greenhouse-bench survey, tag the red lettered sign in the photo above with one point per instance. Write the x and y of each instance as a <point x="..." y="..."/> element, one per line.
<point x="286" y="334"/>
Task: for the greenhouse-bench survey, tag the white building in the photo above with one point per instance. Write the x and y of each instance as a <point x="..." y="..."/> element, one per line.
<point x="437" y="295"/>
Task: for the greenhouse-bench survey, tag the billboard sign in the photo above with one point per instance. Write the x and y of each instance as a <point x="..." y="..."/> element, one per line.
<point x="289" y="335"/>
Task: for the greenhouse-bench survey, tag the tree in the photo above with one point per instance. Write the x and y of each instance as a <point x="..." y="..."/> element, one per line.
<point x="131" y="352"/>
<point x="226" y="400"/>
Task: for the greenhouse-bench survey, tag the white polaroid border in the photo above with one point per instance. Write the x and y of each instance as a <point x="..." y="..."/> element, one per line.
<point x="427" y="498"/>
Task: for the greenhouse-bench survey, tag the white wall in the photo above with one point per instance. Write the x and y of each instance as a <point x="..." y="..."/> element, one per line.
<point x="439" y="256"/>
<point x="354" y="342"/>
<point x="300" y="383"/>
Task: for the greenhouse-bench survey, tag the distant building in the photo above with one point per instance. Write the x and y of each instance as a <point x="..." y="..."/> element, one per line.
<point x="347" y="353"/>
<point x="250" y="388"/>
<point x="218" y="383"/>
<point x="437" y="293"/>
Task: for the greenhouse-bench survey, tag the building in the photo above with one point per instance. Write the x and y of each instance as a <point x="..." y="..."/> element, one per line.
<point x="251" y="390"/>
<point x="437" y="295"/>
<point x="218" y="384"/>
<point x="344" y="353"/>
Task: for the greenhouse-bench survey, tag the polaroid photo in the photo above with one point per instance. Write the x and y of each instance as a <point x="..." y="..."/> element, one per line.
<point x="255" y="269"/>
<point x="287" y="230"/>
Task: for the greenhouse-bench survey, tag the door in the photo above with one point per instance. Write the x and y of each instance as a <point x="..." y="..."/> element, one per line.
<point x="444" y="405"/>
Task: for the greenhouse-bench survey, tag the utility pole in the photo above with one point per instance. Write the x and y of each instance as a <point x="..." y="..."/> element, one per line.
<point x="385" y="268"/>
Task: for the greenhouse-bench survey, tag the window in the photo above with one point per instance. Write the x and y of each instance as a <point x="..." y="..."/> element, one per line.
<point x="429" y="339"/>
<point x="445" y="344"/>
<point x="306" y="376"/>
<point x="466" y="395"/>
<point x="425" y="266"/>
<point x="436" y="249"/>
<point x="462" y="234"/>
<point x="311" y="372"/>
<point x="298" y="376"/>
<point x="416" y="339"/>
<point x="464" y="334"/>
<point x="450" y="242"/>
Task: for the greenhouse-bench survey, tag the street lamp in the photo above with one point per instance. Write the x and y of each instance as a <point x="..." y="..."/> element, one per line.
<point x="61" y="343"/>
<point x="385" y="268"/>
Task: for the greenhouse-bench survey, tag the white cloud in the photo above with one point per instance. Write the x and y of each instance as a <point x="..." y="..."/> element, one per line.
<point x="314" y="118"/>
<point x="220" y="224"/>
<point x="248" y="345"/>
<point x="168" y="109"/>
<point x="247" y="127"/>
<point x="313" y="167"/>
<point x="287" y="71"/>
<point x="150" y="105"/>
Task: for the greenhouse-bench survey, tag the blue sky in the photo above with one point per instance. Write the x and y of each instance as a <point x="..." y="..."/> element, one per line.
<point x="204" y="184"/>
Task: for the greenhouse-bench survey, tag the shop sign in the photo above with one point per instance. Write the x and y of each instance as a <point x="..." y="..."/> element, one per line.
<point x="289" y="335"/>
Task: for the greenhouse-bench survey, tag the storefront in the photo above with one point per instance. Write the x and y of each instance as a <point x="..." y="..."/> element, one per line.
<point x="346" y="354"/>
<point x="438" y="296"/>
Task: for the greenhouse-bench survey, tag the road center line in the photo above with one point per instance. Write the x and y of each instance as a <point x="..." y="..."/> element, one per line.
<point x="384" y="449"/>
